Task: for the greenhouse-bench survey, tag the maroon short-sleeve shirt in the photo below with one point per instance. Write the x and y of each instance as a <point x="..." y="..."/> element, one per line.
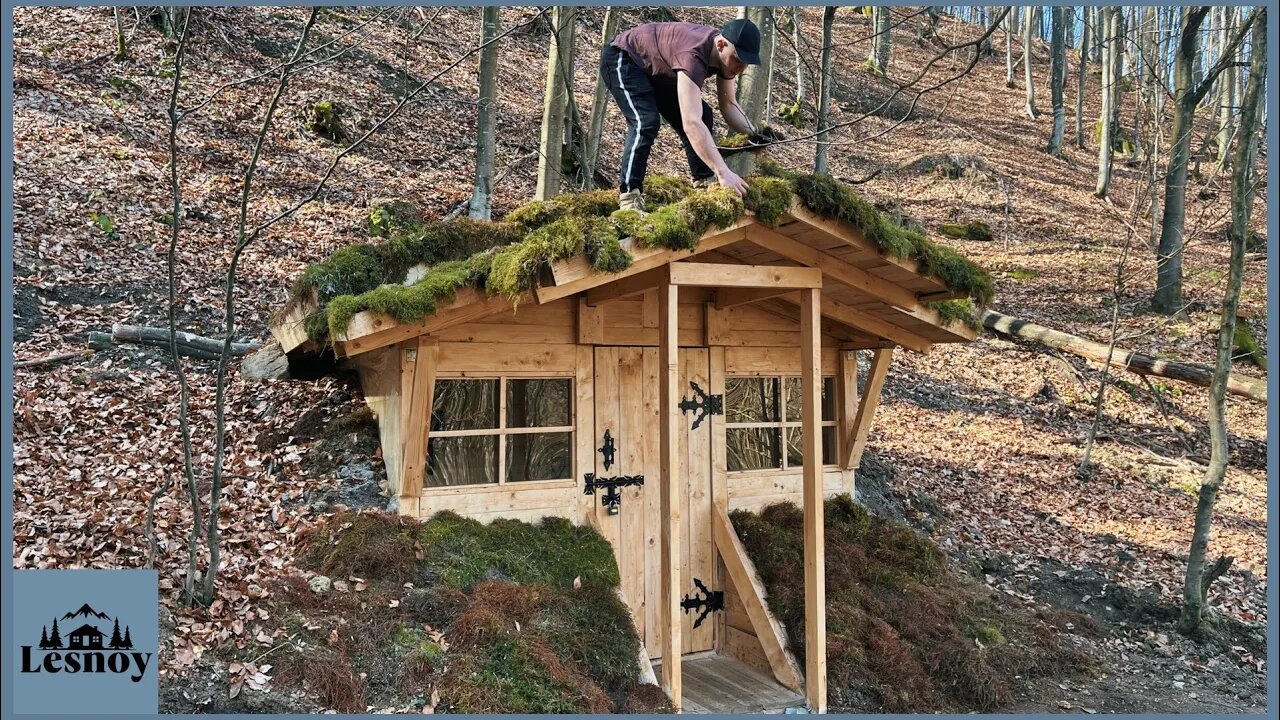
<point x="665" y="48"/>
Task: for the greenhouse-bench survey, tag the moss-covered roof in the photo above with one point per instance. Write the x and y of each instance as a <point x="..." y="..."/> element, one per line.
<point x="506" y="257"/>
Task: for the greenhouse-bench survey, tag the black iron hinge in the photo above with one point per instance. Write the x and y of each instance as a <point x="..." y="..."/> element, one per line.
<point x="701" y="404"/>
<point x="704" y="602"/>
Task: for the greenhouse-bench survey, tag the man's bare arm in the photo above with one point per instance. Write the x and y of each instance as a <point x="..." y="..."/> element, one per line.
<point x="734" y="116"/>
<point x="704" y="144"/>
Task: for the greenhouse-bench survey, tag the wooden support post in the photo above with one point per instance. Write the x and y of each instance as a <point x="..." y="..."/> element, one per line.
<point x="847" y="382"/>
<point x="856" y="439"/>
<point x="815" y="587"/>
<point x="670" y="424"/>
<point x="422" y="392"/>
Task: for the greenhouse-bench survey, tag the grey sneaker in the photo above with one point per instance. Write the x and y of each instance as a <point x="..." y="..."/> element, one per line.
<point x="632" y="200"/>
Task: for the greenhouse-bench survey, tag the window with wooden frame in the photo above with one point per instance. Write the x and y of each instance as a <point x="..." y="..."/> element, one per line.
<point x="762" y="423"/>
<point x="499" y="430"/>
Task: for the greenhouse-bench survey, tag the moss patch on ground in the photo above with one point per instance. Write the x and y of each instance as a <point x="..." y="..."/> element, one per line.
<point x="482" y="618"/>
<point x="900" y="625"/>
<point x="420" y="266"/>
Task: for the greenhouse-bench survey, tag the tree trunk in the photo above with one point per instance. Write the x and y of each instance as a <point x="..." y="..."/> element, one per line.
<point x="558" y="86"/>
<point x="797" y="40"/>
<point x="1058" y="73"/>
<point x="824" y="92"/>
<point x="1226" y="91"/>
<point x="753" y="87"/>
<point x="1195" y="589"/>
<point x="1009" y="24"/>
<point x="1241" y="385"/>
<point x="486" y="117"/>
<point x="1168" y="295"/>
<point x="1028" y="38"/>
<point x="188" y="344"/>
<point x="1106" y="19"/>
<point x="1081" y="70"/>
<point x="599" y="106"/>
<point x="878" y="58"/>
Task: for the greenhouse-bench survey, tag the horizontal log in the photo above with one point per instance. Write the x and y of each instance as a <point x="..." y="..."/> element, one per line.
<point x="1242" y="385"/>
<point x="189" y="344"/>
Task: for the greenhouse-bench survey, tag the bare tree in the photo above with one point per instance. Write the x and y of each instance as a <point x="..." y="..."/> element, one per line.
<point x="1226" y="88"/>
<point x="1108" y="18"/>
<point x="1187" y="95"/>
<point x="824" y="91"/>
<point x="1081" y="70"/>
<point x="486" y="116"/>
<point x="1008" y="52"/>
<point x="753" y="86"/>
<point x="878" y="58"/>
<point x="599" y="106"/>
<point x="797" y="43"/>
<point x="1027" y="38"/>
<point x="555" y="100"/>
<point x="1058" y="73"/>
<point x="1200" y="577"/>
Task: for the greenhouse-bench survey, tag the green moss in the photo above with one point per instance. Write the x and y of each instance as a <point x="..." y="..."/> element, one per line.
<point x="609" y="657"/>
<point x="972" y="230"/>
<point x="512" y="676"/>
<point x="325" y="119"/>
<point x="1021" y="274"/>
<point x="508" y="258"/>
<point x="460" y="552"/>
<point x="533" y="215"/>
<point x="662" y="190"/>
<point x="957" y="311"/>
<point x="769" y="197"/>
<point x="388" y="217"/>
<point x="1246" y="346"/>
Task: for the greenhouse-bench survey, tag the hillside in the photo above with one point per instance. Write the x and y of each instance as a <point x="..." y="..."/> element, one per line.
<point x="977" y="445"/>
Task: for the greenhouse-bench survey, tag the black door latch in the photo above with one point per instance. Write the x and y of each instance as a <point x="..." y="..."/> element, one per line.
<point x="612" y="499"/>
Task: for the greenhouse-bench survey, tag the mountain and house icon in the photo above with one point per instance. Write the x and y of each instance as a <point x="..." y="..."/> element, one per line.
<point x="87" y="636"/>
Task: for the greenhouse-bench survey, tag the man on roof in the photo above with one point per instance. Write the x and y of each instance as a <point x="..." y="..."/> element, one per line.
<point x="655" y="71"/>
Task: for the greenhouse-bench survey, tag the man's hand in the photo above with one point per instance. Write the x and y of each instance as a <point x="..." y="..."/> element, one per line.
<point x="730" y="179"/>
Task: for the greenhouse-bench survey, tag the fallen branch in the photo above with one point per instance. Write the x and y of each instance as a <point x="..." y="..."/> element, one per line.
<point x="1242" y="385"/>
<point x="60" y="357"/>
<point x="189" y="344"/>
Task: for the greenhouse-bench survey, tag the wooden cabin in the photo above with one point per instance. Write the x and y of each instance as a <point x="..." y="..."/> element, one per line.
<point x="652" y="402"/>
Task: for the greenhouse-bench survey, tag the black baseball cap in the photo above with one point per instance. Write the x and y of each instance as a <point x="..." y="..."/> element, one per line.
<point x="745" y="37"/>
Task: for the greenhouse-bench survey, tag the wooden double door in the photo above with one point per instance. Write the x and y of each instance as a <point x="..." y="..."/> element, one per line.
<point x="626" y="445"/>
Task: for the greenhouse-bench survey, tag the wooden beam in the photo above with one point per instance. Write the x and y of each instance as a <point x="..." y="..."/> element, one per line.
<point x="670" y="425"/>
<point x="875" y="325"/>
<point x="847" y="386"/>
<point x="743" y="276"/>
<point x="845" y="273"/>
<point x="291" y="330"/>
<point x="627" y="286"/>
<point x="414" y="460"/>
<point x="815" y="590"/>
<point x="590" y="323"/>
<point x="856" y="441"/>
<point x="768" y="630"/>
<point x="733" y="297"/>
<point x="576" y="274"/>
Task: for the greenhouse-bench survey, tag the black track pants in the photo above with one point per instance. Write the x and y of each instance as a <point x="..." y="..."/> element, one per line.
<point x="643" y="100"/>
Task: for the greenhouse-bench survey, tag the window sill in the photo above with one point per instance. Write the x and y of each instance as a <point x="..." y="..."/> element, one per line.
<point x="496" y="487"/>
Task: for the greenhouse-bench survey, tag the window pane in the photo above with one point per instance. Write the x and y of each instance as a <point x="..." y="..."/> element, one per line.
<point x="469" y="460"/>
<point x="795" y="446"/>
<point x="753" y="448"/>
<point x="751" y="399"/>
<point x="465" y="405"/>
<point x="538" y="403"/>
<point x="795" y="398"/>
<point x="539" y="456"/>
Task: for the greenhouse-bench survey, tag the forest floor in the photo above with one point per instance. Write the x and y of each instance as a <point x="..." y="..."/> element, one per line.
<point x="982" y="441"/>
